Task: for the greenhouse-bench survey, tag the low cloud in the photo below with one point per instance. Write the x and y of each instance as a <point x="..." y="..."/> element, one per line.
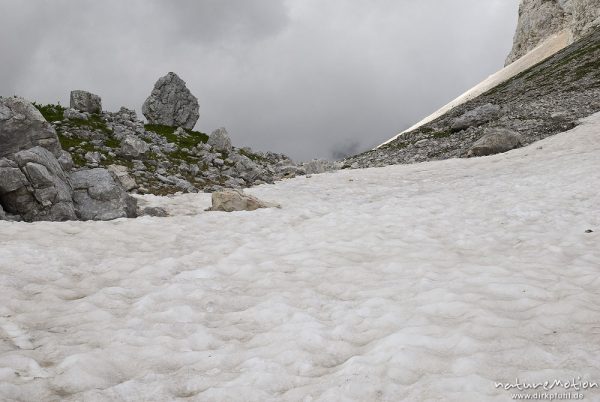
<point x="295" y="76"/>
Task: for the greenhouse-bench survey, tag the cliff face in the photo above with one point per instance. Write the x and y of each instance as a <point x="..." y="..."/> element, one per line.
<point x="540" y="19"/>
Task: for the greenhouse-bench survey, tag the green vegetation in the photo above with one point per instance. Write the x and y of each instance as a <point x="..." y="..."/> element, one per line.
<point x="192" y="139"/>
<point x="51" y="112"/>
<point x="95" y="122"/>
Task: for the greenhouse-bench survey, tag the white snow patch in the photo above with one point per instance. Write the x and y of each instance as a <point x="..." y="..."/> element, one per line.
<point x="549" y="47"/>
<point x="420" y="282"/>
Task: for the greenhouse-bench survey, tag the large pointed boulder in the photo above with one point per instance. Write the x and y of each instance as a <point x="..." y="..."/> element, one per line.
<point x="171" y="103"/>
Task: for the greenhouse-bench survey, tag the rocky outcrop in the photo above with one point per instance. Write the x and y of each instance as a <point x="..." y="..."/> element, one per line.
<point x="23" y="127"/>
<point x="235" y="200"/>
<point x="495" y="141"/>
<point x="85" y="102"/>
<point x="171" y="103"/>
<point x="540" y="19"/>
<point x="35" y="179"/>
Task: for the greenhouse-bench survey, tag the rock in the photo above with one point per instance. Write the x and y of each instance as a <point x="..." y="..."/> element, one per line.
<point x="121" y="173"/>
<point x="219" y="140"/>
<point x="495" y="141"/>
<point x="476" y="117"/>
<point x="154" y="211"/>
<point x="540" y="19"/>
<point x="23" y="127"/>
<point x="245" y="167"/>
<point x="93" y="158"/>
<point x="235" y="200"/>
<point x="85" y="102"/>
<point x="133" y="147"/>
<point x="317" y="166"/>
<point x="171" y="103"/>
<point x="74" y="114"/>
<point x="66" y="161"/>
<point x="34" y="187"/>
<point x="98" y="196"/>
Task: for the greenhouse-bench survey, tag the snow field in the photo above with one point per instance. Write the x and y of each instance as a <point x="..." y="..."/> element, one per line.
<point x="418" y="282"/>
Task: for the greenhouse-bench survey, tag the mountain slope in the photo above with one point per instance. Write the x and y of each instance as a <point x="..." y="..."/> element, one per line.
<point x="541" y="101"/>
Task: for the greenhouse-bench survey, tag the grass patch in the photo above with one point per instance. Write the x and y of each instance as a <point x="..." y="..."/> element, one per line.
<point x="112" y="142"/>
<point x="51" y="112"/>
<point x="95" y="123"/>
<point x="192" y="139"/>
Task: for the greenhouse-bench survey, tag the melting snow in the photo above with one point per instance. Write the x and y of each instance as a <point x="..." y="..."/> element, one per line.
<point x="422" y="282"/>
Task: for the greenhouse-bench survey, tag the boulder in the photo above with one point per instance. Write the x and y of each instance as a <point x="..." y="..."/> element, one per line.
<point x="495" y="141"/>
<point x="34" y="187"/>
<point x="157" y="212"/>
<point x="121" y="173"/>
<point x="476" y="117"/>
<point x="219" y="140"/>
<point x="171" y="103"/>
<point x="236" y="200"/>
<point x="98" y="196"/>
<point x="85" y="102"/>
<point x="23" y="127"/>
<point x="132" y="146"/>
<point x="74" y="114"/>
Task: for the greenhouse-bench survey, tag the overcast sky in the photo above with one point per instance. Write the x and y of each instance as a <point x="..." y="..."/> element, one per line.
<point x="302" y="77"/>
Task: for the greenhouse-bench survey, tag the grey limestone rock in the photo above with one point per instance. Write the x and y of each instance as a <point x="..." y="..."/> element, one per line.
<point x="476" y="117"/>
<point x="121" y="173"/>
<point x="98" y="196"/>
<point x="495" y="141"/>
<point x="219" y="140"/>
<point x="23" y="127"/>
<point x="230" y="200"/>
<point x="85" y="102"/>
<point x="34" y="186"/>
<point x="171" y="103"/>
<point x="132" y="146"/>
<point x="540" y="19"/>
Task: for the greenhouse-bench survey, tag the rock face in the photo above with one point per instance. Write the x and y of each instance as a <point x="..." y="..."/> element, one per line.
<point x="540" y="19"/>
<point x="23" y="127"/>
<point x="219" y="140"/>
<point x="85" y="102"/>
<point x="495" y="141"/>
<point x="236" y="200"/>
<point x="34" y="187"/>
<point x="98" y="196"/>
<point x="171" y="103"/>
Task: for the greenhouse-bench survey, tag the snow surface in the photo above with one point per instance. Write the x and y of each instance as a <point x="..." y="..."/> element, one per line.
<point x="547" y="48"/>
<point x="417" y="282"/>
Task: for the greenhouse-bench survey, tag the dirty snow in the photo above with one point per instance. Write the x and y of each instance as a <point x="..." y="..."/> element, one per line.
<point x="422" y="282"/>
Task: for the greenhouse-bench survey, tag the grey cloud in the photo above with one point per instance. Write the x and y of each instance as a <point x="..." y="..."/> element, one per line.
<point x="296" y="76"/>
